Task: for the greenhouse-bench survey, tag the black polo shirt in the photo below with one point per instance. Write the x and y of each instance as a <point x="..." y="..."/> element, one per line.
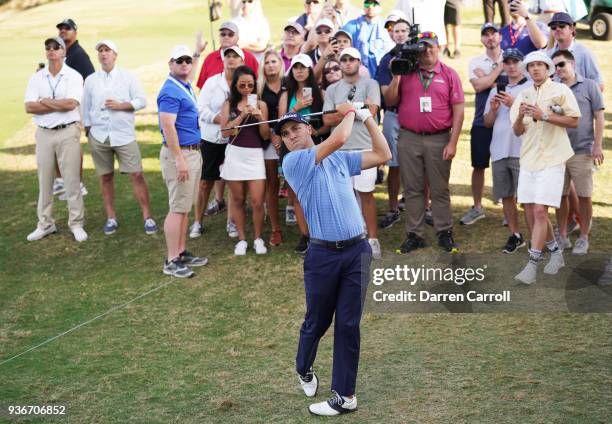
<point x="78" y="60"/>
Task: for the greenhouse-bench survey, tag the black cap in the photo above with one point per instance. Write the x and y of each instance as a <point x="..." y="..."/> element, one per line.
<point x="67" y="22"/>
<point x="513" y="53"/>
<point x="561" y="18"/>
<point x="487" y="26"/>
<point x="292" y="116"/>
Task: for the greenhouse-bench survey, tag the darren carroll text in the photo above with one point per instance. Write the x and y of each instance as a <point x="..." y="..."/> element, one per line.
<point x="425" y="296"/>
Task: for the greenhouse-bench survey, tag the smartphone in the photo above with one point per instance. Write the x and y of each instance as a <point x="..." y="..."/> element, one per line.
<point x="307" y="92"/>
<point x="252" y="100"/>
<point x="501" y="87"/>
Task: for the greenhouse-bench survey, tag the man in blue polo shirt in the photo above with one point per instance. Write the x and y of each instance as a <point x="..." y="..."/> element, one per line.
<point x="180" y="158"/>
<point x="523" y="33"/>
<point x="370" y="36"/>
<point x="334" y="278"/>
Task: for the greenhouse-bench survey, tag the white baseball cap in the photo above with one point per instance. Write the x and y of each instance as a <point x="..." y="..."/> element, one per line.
<point x="352" y="52"/>
<point x="235" y="49"/>
<point x="538" y="56"/>
<point x="180" y="51"/>
<point x="109" y="44"/>
<point x="324" y="22"/>
<point x="396" y="15"/>
<point x="229" y="25"/>
<point x="302" y="58"/>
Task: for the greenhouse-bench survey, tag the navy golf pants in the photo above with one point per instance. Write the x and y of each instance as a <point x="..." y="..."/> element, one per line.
<point x="335" y="280"/>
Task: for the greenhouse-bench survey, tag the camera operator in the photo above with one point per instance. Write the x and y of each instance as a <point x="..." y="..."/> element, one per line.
<point x="430" y="105"/>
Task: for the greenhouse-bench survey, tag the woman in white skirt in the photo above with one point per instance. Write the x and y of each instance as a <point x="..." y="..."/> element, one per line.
<point x="244" y="158"/>
<point x="269" y="88"/>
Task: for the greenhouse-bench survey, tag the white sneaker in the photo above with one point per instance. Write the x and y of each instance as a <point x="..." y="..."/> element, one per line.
<point x="581" y="247"/>
<point x="564" y="242"/>
<point x="260" y="246"/>
<point x="335" y="405"/>
<point x="196" y="230"/>
<point x="37" y="234"/>
<point x="309" y="383"/>
<point x="241" y="248"/>
<point x="290" y="218"/>
<point x="58" y="186"/>
<point x="555" y="263"/>
<point x="79" y="234"/>
<point x="232" y="230"/>
<point x="83" y="190"/>
<point x="528" y="274"/>
<point x="375" y="245"/>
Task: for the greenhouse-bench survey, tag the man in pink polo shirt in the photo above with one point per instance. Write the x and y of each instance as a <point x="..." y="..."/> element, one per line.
<point x="213" y="64"/>
<point x="430" y="107"/>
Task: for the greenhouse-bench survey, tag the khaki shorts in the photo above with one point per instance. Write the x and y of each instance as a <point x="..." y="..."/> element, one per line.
<point x="181" y="195"/>
<point x="103" y="155"/>
<point x="579" y="169"/>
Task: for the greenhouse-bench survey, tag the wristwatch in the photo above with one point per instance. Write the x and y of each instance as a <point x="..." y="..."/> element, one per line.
<point x="545" y="116"/>
<point x="196" y="55"/>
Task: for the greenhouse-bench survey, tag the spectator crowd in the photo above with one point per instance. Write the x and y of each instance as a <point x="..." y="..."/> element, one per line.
<point x="538" y="124"/>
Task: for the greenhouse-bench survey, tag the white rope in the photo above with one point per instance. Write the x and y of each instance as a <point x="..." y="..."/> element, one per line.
<point x="87" y="322"/>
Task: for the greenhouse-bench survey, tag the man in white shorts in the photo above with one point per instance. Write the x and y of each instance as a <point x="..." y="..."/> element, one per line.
<point x="359" y="90"/>
<point x="540" y="115"/>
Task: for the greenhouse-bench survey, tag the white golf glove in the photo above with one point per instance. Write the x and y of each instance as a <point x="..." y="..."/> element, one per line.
<point x="363" y="114"/>
<point x="358" y="105"/>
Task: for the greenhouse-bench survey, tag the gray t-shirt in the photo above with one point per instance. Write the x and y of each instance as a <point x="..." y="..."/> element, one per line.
<point x="338" y="93"/>
<point x="589" y="100"/>
<point x="504" y="144"/>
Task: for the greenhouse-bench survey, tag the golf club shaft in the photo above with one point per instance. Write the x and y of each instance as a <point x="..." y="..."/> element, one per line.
<point x="276" y="120"/>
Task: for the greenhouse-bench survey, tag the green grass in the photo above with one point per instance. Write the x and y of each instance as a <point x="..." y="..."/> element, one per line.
<point x="220" y="347"/>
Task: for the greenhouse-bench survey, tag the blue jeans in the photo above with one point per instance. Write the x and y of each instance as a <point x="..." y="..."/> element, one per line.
<point x="335" y="282"/>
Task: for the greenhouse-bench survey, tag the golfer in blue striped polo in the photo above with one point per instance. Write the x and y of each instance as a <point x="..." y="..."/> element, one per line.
<point x="334" y="278"/>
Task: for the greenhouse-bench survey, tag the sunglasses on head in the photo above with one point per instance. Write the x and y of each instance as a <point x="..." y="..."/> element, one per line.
<point x="52" y="47"/>
<point x="560" y="64"/>
<point x="244" y="85"/>
<point x="323" y="31"/>
<point x="182" y="60"/>
<point x="427" y="34"/>
<point x="559" y="26"/>
<point x="331" y="69"/>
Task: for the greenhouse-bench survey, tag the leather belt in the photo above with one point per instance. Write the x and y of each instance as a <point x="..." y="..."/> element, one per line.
<point x="427" y="132"/>
<point x="190" y="147"/>
<point x="340" y="244"/>
<point x="60" y="127"/>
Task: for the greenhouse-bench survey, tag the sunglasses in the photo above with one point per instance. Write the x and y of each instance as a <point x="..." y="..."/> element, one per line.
<point x="345" y="59"/>
<point x="53" y="47"/>
<point x="332" y="69"/>
<point x="427" y="34"/>
<point x="249" y="85"/>
<point x="182" y="60"/>
<point x="312" y="1"/>
<point x="559" y="26"/>
<point x="247" y="1"/>
<point x="370" y="4"/>
<point x="560" y="64"/>
<point x="323" y="31"/>
<point x="65" y="28"/>
<point x="226" y="34"/>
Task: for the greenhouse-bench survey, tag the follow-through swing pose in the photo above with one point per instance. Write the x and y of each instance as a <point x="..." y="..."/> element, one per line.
<point x="337" y="261"/>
